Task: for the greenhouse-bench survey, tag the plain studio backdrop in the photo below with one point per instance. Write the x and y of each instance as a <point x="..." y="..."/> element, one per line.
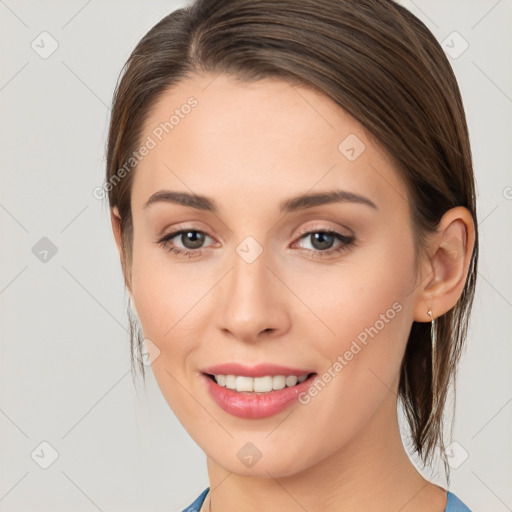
<point x="76" y="434"/>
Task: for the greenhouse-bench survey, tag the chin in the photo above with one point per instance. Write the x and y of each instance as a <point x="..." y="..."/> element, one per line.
<point x="277" y="464"/>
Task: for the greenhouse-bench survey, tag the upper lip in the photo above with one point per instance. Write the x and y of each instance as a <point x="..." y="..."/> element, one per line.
<point x="260" y="370"/>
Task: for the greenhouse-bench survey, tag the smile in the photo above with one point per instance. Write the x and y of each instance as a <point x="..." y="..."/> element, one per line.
<point x="243" y="401"/>
<point x="264" y="384"/>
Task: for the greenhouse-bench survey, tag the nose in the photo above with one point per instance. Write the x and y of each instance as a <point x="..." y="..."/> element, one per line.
<point x="253" y="302"/>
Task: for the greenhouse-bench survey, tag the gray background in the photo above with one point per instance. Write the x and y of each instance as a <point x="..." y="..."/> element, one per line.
<point x="64" y="364"/>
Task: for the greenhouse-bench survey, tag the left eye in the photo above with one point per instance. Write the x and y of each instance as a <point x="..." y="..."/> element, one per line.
<point x="323" y="241"/>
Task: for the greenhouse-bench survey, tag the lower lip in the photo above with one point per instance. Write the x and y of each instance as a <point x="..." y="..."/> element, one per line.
<point x="252" y="406"/>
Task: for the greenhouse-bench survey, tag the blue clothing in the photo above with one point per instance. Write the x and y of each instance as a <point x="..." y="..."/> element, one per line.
<point x="197" y="504"/>
<point x="453" y="504"/>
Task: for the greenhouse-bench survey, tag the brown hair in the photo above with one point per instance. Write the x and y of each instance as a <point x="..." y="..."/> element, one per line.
<point x="378" y="62"/>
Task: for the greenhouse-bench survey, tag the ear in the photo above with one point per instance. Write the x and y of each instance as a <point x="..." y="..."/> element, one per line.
<point x="445" y="270"/>
<point x="118" y="235"/>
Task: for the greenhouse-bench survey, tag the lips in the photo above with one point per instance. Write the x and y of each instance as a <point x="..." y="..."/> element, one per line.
<point x="260" y="370"/>
<point x="255" y="405"/>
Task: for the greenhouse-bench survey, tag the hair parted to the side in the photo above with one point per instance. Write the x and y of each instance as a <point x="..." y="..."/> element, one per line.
<point x="379" y="63"/>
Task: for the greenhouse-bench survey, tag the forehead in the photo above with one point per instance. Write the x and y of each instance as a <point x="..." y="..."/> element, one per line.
<point x="214" y="135"/>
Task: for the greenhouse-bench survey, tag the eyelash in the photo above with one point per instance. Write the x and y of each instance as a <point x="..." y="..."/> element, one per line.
<point x="347" y="242"/>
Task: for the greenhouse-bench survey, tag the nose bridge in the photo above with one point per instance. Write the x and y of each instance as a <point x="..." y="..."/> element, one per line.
<point x="252" y="302"/>
<point x="249" y="278"/>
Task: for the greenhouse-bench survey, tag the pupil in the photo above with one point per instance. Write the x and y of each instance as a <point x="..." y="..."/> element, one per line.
<point x="319" y="240"/>
<point x="192" y="239"/>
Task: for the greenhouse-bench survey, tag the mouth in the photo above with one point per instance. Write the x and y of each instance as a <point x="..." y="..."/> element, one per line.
<point x="259" y="397"/>
<point x="258" y="385"/>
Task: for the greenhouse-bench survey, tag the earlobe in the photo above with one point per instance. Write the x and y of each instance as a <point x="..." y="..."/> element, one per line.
<point x="116" y="228"/>
<point x="447" y="267"/>
<point x="132" y="302"/>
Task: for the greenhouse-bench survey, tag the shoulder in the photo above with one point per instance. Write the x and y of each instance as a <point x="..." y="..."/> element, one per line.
<point x="453" y="504"/>
<point x="194" y="507"/>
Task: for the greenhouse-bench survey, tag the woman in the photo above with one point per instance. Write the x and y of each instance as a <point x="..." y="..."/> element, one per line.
<point x="293" y="200"/>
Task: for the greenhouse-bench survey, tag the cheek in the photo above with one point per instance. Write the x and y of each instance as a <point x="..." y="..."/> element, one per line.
<point x="362" y="308"/>
<point x="175" y="305"/>
<point x="363" y="320"/>
<point x="165" y="294"/>
<point x="169" y="307"/>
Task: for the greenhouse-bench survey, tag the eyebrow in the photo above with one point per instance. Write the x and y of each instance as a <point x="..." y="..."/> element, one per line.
<point x="293" y="204"/>
<point x="182" y="198"/>
<point x="335" y="196"/>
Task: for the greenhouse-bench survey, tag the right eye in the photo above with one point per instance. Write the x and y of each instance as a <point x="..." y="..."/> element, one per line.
<point x="191" y="239"/>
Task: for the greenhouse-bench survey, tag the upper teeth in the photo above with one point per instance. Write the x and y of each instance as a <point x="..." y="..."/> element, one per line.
<point x="258" y="384"/>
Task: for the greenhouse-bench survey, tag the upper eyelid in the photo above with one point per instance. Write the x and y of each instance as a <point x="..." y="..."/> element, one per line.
<point x="316" y="229"/>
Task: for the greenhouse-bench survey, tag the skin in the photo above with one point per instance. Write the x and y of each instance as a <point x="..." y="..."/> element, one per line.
<point x="249" y="147"/>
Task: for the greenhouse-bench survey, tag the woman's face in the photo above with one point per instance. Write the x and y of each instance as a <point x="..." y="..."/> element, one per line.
<point x="255" y="288"/>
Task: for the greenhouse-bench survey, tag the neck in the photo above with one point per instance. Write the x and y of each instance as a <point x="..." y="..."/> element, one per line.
<point x="370" y="472"/>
